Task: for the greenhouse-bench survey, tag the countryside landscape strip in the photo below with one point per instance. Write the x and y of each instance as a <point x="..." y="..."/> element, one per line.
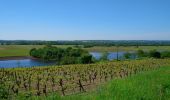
<point x="23" y="50"/>
<point x="84" y="50"/>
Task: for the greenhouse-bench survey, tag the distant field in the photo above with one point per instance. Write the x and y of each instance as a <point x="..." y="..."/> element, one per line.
<point x="23" y="50"/>
<point x="20" y="50"/>
<point x="128" y="48"/>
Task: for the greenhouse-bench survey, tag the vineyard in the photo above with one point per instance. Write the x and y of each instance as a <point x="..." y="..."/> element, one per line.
<point x="71" y="79"/>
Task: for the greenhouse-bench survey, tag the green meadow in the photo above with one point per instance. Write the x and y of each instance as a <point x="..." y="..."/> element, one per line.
<point x="23" y="50"/>
<point x="20" y="50"/>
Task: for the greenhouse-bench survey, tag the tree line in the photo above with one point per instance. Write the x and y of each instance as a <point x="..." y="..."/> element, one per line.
<point x="89" y="43"/>
<point x="148" y="54"/>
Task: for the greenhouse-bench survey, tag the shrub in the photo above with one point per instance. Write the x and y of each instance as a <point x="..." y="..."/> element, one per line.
<point x="86" y="59"/>
<point x="154" y="54"/>
<point x="165" y="54"/>
<point x="127" y="55"/>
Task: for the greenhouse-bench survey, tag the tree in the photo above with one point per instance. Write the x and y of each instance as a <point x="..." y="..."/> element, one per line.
<point x="86" y="59"/>
<point x="68" y="60"/>
<point x="32" y="52"/>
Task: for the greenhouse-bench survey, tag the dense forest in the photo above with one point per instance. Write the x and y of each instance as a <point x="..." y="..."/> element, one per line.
<point x="90" y="43"/>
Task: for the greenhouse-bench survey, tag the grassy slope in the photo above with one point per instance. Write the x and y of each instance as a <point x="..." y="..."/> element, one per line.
<point x="23" y="50"/>
<point x="151" y="85"/>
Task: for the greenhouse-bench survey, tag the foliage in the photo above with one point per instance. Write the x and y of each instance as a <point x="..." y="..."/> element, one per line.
<point x="23" y="50"/>
<point x="88" y="46"/>
<point x="86" y="59"/>
<point x="61" y="55"/>
<point x="104" y="56"/>
<point x="154" y="54"/>
<point x="127" y="55"/>
<point x="141" y="53"/>
<point x="165" y="54"/>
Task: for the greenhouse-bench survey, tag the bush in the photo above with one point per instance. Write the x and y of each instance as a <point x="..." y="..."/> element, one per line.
<point x="86" y="59"/>
<point x="127" y="55"/>
<point x="165" y="54"/>
<point x="154" y="54"/>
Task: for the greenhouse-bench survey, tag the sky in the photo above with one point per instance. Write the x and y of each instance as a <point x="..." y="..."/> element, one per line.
<point x="84" y="19"/>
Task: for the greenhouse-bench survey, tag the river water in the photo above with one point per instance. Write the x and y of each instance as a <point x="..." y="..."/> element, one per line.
<point x="33" y="62"/>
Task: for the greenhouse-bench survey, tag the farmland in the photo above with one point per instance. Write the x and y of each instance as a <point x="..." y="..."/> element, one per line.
<point x="147" y="85"/>
<point x="71" y="79"/>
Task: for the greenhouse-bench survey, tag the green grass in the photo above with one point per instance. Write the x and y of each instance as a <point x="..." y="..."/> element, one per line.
<point x="128" y="48"/>
<point x="16" y="50"/>
<point x="20" y="50"/>
<point x="23" y="50"/>
<point x="149" y="85"/>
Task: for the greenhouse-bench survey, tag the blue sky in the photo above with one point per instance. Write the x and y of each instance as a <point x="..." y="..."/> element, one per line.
<point x="84" y="19"/>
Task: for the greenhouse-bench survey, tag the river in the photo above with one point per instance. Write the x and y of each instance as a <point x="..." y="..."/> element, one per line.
<point x="28" y="62"/>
